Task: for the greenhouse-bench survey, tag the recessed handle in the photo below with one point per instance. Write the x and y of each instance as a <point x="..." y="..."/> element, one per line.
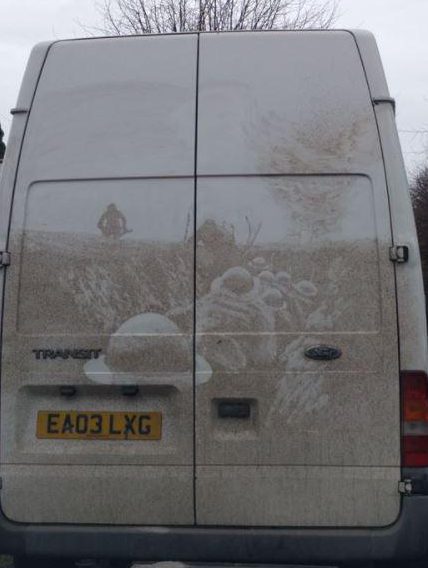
<point x="233" y="409"/>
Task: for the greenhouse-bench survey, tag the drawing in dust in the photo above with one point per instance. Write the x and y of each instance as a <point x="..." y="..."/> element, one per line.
<point x="248" y="307"/>
<point x="146" y="344"/>
<point x="248" y="304"/>
<point x="247" y="290"/>
<point x="112" y="223"/>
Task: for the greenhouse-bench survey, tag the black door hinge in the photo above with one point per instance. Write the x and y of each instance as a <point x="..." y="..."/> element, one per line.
<point x="399" y="253"/>
<point x="385" y="100"/>
<point x="405" y="487"/>
<point x="4" y="259"/>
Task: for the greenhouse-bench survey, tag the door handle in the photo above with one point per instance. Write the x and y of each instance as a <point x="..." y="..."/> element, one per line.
<point x="233" y="409"/>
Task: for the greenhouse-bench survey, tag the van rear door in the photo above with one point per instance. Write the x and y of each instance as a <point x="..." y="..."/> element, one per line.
<point x="97" y="374"/>
<point x="299" y="423"/>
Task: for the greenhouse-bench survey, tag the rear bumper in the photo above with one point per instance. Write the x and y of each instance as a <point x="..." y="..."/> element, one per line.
<point x="406" y="540"/>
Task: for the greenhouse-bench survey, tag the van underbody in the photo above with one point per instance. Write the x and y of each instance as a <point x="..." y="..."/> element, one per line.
<point x="404" y="543"/>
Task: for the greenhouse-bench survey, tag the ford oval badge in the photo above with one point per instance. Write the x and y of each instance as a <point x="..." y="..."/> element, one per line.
<point x="323" y="353"/>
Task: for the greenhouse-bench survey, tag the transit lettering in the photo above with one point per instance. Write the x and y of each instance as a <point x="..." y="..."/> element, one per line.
<point x="64" y="354"/>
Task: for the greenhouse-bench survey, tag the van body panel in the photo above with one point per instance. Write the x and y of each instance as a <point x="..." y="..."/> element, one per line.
<point x="261" y="113"/>
<point x="15" y="139"/>
<point x="372" y="63"/>
<point x="410" y="291"/>
<point x="101" y="238"/>
<point x="105" y="110"/>
<point x="293" y="237"/>
<point x="273" y="495"/>
<point x="83" y="494"/>
<point x="281" y="205"/>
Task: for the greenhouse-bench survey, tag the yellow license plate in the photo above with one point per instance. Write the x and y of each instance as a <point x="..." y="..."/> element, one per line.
<point x="95" y="425"/>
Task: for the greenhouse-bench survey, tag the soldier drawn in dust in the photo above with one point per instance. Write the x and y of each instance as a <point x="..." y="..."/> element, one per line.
<point x="112" y="223"/>
<point x="235" y="327"/>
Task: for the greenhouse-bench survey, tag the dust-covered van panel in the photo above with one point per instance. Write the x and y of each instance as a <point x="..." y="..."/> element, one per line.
<point x="289" y="266"/>
<point x="104" y="265"/>
<point x="117" y="248"/>
<point x="96" y="370"/>
<point x="284" y="103"/>
<point x="298" y="244"/>
<point x="106" y="281"/>
<point x="115" y="107"/>
<point x="201" y="304"/>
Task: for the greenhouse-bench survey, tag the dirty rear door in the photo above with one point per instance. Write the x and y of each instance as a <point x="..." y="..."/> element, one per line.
<point x="293" y="233"/>
<point x="97" y="388"/>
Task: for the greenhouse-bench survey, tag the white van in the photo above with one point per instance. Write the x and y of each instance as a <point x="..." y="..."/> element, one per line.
<point x="212" y="300"/>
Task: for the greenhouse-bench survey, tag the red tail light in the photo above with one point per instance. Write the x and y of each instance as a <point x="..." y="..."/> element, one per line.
<point x="414" y="385"/>
<point x="415" y="451"/>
